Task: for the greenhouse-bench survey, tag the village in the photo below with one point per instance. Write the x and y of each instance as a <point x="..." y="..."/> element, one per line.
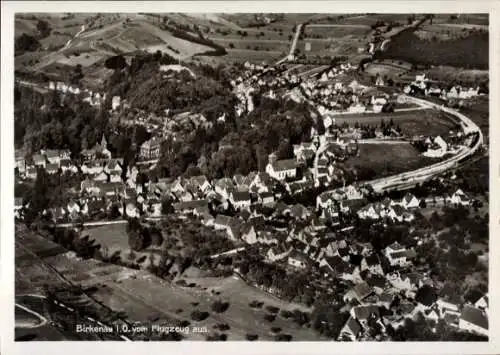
<point x="247" y="209"/>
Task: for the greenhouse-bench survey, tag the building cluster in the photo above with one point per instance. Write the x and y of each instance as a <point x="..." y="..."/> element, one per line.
<point x="93" y="98"/>
<point x="456" y="92"/>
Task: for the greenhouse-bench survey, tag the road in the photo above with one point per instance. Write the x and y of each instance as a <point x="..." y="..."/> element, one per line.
<point x="338" y="25"/>
<point x="293" y="46"/>
<point x="42" y="319"/>
<point x="382" y="141"/>
<point x="322" y="147"/>
<point x="411" y="178"/>
<point x="93" y="224"/>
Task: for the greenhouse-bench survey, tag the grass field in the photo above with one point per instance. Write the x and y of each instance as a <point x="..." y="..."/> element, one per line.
<point x="143" y="297"/>
<point x="413" y="123"/>
<point x="382" y="160"/>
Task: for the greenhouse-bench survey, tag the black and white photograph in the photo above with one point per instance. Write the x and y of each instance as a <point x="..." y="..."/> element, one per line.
<point x="250" y="176"/>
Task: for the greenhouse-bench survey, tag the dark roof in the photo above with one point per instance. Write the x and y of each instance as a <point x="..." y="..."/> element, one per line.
<point x="241" y="195"/>
<point x="353" y="326"/>
<point x="52" y="167"/>
<point x="396" y="246"/>
<point x="376" y="281"/>
<point x="362" y="290"/>
<point x="343" y="251"/>
<point x="364" y="312"/>
<point x="222" y="220"/>
<point x="190" y="205"/>
<point x="287" y="164"/>
<point x="372" y="260"/>
<point x="475" y="316"/>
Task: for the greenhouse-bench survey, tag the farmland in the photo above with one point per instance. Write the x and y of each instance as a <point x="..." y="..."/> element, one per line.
<point x="143" y="297"/>
<point x="379" y="160"/>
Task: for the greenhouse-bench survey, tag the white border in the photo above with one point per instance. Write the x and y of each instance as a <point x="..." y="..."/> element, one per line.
<point x="7" y="182"/>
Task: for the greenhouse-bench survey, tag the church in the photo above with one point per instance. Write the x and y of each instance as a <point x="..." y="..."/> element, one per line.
<point x="98" y="151"/>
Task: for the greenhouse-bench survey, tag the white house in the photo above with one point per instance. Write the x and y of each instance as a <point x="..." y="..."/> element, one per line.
<point x="298" y="260"/>
<point x="282" y="169"/>
<point x="410" y="201"/>
<point x="240" y="199"/>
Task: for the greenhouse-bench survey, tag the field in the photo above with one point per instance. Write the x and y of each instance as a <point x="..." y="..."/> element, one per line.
<point x="380" y="160"/>
<point x="391" y="68"/>
<point x="413" y="123"/>
<point x="114" y="240"/>
<point x="143" y="297"/>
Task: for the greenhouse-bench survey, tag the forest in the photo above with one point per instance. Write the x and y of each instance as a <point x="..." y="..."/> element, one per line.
<point x="470" y="52"/>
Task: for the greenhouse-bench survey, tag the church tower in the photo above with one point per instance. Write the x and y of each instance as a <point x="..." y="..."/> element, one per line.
<point x="104" y="144"/>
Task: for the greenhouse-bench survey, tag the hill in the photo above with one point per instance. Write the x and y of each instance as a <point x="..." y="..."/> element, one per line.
<point x="469" y="52"/>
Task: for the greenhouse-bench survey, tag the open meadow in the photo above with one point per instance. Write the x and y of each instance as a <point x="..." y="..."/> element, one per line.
<point x="380" y="160"/>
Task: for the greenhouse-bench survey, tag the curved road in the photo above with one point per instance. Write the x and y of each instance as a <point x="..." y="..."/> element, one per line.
<point x="410" y="178"/>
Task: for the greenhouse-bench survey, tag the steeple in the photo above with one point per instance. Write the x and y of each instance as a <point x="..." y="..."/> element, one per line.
<point x="104" y="144"/>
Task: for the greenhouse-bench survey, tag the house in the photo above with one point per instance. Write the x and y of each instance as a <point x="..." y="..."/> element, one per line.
<point x="240" y="199"/>
<point x="67" y="165"/>
<point x="299" y="211"/>
<point x="224" y="187"/>
<point x="401" y="258"/>
<point x="201" y="183"/>
<point x="189" y="206"/>
<point x="458" y="198"/>
<point x="358" y="293"/>
<point x="112" y="167"/>
<point x="232" y="226"/>
<point x="353" y="193"/>
<point x="131" y="209"/>
<point x="98" y="151"/>
<point x="150" y="149"/>
<point x="372" y="263"/>
<point x="277" y="253"/>
<point x="266" y="198"/>
<point x="51" y="168"/>
<point x="281" y="169"/>
<point x="39" y="160"/>
<point x="298" y="259"/>
<point x="339" y="268"/>
<point x="153" y="207"/>
<point x="351" y="330"/>
<point x="445" y="307"/>
<point x="73" y="207"/>
<point x="409" y="281"/>
<point x="410" y="201"/>
<point x="396" y="253"/>
<point x="18" y="207"/>
<point x="364" y="313"/>
<point x="368" y="212"/>
<point x="92" y="167"/>
<point x="55" y="156"/>
<point x="102" y="176"/>
<point x="261" y="183"/>
<point x="482" y="303"/>
<point x="473" y="320"/>
<point x="248" y="234"/>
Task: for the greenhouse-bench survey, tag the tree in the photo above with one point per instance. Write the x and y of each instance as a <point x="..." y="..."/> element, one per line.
<point x="117" y="62"/>
<point x="43" y="28"/>
<point x="26" y="43"/>
<point x="220" y="306"/>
